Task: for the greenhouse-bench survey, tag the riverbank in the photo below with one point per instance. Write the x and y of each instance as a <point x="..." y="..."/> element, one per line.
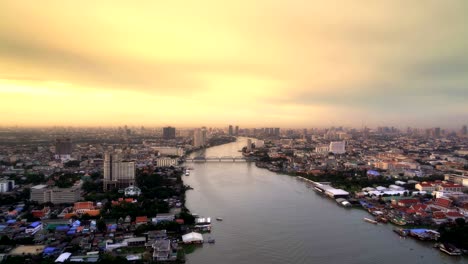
<point x="272" y="219"/>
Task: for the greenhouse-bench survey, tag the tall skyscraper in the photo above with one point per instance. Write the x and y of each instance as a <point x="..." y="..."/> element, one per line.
<point x="236" y="132"/>
<point x="277" y="131"/>
<point x="169" y="133"/>
<point x="63" y="148"/>
<point x="230" y="131"/>
<point x="464" y="130"/>
<point x="199" y="137"/>
<point x="118" y="173"/>
<point x="437" y="132"/>
<point x="249" y="145"/>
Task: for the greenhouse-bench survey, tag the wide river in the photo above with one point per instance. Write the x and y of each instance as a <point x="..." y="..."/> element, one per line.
<point x="273" y="218"/>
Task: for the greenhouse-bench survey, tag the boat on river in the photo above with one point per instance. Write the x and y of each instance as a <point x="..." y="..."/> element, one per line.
<point x="370" y="221"/>
<point x="449" y="249"/>
<point x="219" y="219"/>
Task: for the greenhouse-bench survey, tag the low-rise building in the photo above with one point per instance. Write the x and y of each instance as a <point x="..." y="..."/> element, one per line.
<point x="43" y="194"/>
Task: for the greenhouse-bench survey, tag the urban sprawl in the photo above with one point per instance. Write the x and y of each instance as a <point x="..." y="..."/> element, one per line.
<point x="118" y="195"/>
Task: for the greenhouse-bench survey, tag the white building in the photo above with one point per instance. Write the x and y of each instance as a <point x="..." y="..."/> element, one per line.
<point x="166" y="162"/>
<point x="338" y="147"/>
<point x="322" y="149"/>
<point x="33" y="228"/>
<point x="259" y="144"/>
<point x="169" y="151"/>
<point x="132" y="191"/>
<point x="6" y="185"/>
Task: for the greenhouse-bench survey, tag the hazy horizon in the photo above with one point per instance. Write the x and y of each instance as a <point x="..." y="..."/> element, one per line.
<point x="256" y="64"/>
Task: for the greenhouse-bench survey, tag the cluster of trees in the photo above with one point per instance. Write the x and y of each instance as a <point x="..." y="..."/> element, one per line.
<point x="155" y="186"/>
<point x="146" y="208"/>
<point x="455" y="233"/>
<point x="29" y="178"/>
<point x="67" y="180"/>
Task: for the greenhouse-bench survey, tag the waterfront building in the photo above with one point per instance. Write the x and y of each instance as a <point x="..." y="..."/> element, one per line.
<point x="169" y="132"/>
<point x="166" y="162"/>
<point x="169" y="151"/>
<point x="459" y="179"/>
<point x="236" y="131"/>
<point x="230" y="130"/>
<point x="118" y="173"/>
<point x="249" y="145"/>
<point x="199" y="137"/>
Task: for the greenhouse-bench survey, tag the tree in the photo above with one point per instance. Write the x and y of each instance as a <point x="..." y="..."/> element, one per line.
<point x="460" y="222"/>
<point x="101" y="225"/>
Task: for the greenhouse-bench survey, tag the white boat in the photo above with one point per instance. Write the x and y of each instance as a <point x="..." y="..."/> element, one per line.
<point x="219" y="218"/>
<point x="370" y="221"/>
<point x="187" y="173"/>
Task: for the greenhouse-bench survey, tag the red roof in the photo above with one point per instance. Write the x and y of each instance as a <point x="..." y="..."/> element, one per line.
<point x="408" y="201"/>
<point x="443" y="202"/>
<point x="84" y="205"/>
<point x="454" y="215"/>
<point x="438" y="215"/>
<point x="419" y="207"/>
<point x="141" y="219"/>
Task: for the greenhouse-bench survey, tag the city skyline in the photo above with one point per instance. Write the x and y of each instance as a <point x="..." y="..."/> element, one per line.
<point x="262" y="64"/>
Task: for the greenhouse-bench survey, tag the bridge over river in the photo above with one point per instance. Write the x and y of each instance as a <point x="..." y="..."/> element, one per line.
<point x="218" y="159"/>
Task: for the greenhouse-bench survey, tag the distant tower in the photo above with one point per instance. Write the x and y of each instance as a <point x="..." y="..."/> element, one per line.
<point x="199" y="137"/>
<point x="63" y="148"/>
<point x="249" y="145"/>
<point x="230" y="132"/>
<point x="277" y="131"/>
<point x="236" y="132"/>
<point x="464" y="130"/>
<point x="169" y="133"/>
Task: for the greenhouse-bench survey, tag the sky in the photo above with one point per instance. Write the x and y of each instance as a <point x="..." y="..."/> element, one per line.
<point x="297" y="63"/>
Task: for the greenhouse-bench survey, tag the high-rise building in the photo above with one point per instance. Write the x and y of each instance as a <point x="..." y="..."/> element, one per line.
<point x="118" y="173"/>
<point x="63" y="148"/>
<point x="169" y="133"/>
<point x="249" y="145"/>
<point x="230" y="131"/>
<point x="199" y="137"/>
<point x="464" y="130"/>
<point x="437" y="132"/>
<point x="277" y="131"/>
<point x="236" y="132"/>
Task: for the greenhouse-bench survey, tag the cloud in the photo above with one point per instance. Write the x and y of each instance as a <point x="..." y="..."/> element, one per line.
<point x="267" y="61"/>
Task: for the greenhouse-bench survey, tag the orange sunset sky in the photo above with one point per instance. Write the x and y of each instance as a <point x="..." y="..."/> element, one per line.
<point x="253" y="63"/>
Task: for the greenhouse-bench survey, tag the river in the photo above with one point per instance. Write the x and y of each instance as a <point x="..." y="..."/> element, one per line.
<point x="273" y="218"/>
